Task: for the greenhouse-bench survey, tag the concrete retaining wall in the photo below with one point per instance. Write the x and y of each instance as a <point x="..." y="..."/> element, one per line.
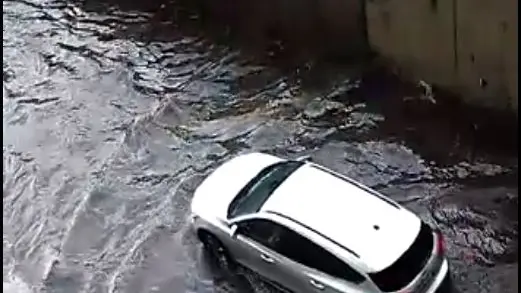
<point x="487" y="37"/>
<point x="468" y="46"/>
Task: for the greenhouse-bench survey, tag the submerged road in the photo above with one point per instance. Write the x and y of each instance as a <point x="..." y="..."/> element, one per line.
<point x="110" y="122"/>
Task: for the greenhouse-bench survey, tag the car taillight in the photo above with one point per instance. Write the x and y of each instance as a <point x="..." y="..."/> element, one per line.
<point x="440" y="243"/>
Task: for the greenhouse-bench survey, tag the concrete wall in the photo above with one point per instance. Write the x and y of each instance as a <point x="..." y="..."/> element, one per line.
<point x="469" y="46"/>
<point x="487" y="48"/>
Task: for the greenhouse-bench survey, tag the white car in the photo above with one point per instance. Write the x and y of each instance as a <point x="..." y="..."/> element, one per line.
<point x="306" y="228"/>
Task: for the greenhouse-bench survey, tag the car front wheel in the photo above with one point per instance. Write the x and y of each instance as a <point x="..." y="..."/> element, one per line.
<point x="217" y="251"/>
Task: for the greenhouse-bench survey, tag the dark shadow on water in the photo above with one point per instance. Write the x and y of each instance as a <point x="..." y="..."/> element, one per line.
<point x="444" y="128"/>
<point x="445" y="131"/>
<point x="225" y="276"/>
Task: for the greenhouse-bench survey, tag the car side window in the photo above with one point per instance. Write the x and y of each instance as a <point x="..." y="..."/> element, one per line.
<point x="298" y="248"/>
<point x="260" y="230"/>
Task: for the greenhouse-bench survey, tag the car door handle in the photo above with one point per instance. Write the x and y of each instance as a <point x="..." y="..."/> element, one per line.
<point x="317" y="284"/>
<point x="267" y="258"/>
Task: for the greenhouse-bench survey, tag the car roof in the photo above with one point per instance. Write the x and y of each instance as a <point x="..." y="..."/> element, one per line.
<point x="364" y="223"/>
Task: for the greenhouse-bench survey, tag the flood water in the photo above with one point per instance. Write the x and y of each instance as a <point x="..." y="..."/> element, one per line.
<point x="111" y="119"/>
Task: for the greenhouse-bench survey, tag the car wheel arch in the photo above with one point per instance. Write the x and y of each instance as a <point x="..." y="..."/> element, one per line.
<point x="222" y="254"/>
<point x="203" y="233"/>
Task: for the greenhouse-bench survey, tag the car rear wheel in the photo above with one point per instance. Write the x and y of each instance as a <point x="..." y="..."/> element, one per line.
<point x="217" y="251"/>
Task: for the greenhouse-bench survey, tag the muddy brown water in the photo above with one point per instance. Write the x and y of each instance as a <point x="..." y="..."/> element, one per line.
<point x="109" y="125"/>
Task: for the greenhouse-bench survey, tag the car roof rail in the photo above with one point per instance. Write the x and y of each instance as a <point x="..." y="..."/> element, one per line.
<point x="314" y="231"/>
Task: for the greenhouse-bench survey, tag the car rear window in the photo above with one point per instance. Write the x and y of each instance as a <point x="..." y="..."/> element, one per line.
<point x="409" y="265"/>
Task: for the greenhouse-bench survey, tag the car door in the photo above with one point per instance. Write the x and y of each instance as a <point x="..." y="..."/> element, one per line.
<point x="292" y="261"/>
<point x="252" y="247"/>
<point x="307" y="267"/>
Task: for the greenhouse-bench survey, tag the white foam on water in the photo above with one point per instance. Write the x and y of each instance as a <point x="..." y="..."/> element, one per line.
<point x="15" y="284"/>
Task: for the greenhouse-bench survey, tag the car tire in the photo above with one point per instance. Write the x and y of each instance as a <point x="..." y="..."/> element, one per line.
<point x="217" y="251"/>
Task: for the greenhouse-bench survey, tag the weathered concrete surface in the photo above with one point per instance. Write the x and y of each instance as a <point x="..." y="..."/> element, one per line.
<point x="487" y="49"/>
<point x="415" y="35"/>
<point x="469" y="46"/>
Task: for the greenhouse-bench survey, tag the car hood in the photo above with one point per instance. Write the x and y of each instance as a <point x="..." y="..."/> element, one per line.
<point x="214" y="195"/>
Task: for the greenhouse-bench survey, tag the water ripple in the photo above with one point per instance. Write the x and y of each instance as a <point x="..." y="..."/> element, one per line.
<point x="112" y="116"/>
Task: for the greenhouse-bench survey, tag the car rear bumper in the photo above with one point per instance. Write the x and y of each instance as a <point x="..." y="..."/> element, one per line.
<point x="445" y="280"/>
<point x="446" y="285"/>
<point x="442" y="281"/>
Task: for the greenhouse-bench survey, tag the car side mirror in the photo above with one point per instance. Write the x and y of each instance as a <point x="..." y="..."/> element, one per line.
<point x="305" y="158"/>
<point x="233" y="230"/>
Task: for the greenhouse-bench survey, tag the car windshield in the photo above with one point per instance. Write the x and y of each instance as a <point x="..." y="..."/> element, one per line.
<point x="258" y="190"/>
